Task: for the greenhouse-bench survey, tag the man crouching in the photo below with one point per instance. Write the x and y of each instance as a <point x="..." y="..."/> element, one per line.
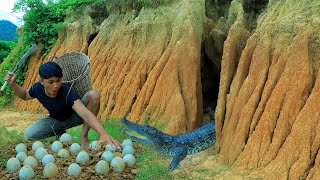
<point x="65" y="107"/>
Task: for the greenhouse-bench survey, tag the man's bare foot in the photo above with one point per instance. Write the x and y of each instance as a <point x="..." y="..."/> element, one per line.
<point x="84" y="142"/>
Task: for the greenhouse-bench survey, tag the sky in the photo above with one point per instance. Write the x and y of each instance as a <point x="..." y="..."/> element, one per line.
<point x="5" y="12"/>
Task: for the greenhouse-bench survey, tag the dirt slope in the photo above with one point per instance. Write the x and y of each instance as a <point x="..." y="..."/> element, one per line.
<point x="267" y="114"/>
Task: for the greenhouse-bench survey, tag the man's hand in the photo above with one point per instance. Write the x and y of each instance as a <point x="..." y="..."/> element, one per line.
<point x="108" y="139"/>
<point x="10" y="78"/>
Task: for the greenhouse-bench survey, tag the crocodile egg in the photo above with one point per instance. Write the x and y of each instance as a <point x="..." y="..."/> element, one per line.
<point x="126" y="142"/>
<point x="107" y="155"/>
<point x="50" y="170"/>
<point x="21" y="148"/>
<point x="40" y="152"/>
<point x="110" y="148"/>
<point x="65" y="138"/>
<point x="82" y="157"/>
<point x="129" y="159"/>
<point x="21" y="156"/>
<point x="56" y="146"/>
<point x="75" y="148"/>
<point x="63" y="153"/>
<point x="36" y="145"/>
<point x="93" y="145"/>
<point x="26" y="172"/>
<point x="48" y="159"/>
<point x="31" y="161"/>
<point x="102" y="167"/>
<point x="13" y="165"/>
<point x="74" y="169"/>
<point x="117" y="164"/>
<point x="128" y="150"/>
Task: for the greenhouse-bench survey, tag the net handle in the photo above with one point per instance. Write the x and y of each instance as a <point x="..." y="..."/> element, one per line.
<point x="52" y="58"/>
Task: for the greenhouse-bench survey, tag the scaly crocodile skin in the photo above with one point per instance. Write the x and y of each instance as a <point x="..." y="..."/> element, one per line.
<point x="178" y="146"/>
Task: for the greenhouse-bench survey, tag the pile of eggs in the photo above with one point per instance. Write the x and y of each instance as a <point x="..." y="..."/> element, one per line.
<point x="41" y="156"/>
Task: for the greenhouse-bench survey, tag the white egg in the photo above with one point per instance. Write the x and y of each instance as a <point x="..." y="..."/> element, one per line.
<point x="13" y="164"/>
<point x="128" y="150"/>
<point x="31" y="161"/>
<point x="93" y="145"/>
<point x="50" y="170"/>
<point x="40" y="153"/>
<point x="74" y="169"/>
<point x="26" y="172"/>
<point x="36" y="145"/>
<point x="48" y="159"/>
<point x="63" y="153"/>
<point x="107" y="156"/>
<point x="21" y="156"/>
<point x="117" y="164"/>
<point x="75" y="148"/>
<point x="110" y="148"/>
<point x="82" y="157"/>
<point x="56" y="146"/>
<point x="102" y="167"/>
<point x="129" y="159"/>
<point x="126" y="142"/>
<point x="21" y="148"/>
<point x="65" y="138"/>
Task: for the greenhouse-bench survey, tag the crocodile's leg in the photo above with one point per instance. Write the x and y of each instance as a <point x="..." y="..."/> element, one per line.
<point x="180" y="154"/>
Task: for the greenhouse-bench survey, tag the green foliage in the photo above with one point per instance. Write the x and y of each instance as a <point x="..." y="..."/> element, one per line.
<point x="7" y="65"/>
<point x="7" y="31"/>
<point x="40" y="21"/>
<point x="5" y="48"/>
<point x="44" y="20"/>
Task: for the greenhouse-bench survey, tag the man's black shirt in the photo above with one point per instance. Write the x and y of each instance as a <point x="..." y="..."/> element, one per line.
<point x="60" y="107"/>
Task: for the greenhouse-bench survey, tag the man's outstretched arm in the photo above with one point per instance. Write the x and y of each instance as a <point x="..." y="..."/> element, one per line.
<point x="94" y="123"/>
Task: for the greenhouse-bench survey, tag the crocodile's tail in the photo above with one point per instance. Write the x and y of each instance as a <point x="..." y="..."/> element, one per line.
<point x="211" y="112"/>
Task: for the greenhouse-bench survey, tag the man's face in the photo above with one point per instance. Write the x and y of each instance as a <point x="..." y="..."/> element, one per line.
<point x="52" y="86"/>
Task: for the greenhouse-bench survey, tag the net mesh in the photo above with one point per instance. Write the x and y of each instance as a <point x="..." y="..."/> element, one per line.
<point x="76" y="71"/>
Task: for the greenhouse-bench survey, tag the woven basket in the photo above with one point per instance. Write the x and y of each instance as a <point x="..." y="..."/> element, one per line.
<point x="76" y="71"/>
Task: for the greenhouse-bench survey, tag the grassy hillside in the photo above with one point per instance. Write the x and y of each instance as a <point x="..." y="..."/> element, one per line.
<point x="7" y="31"/>
<point x="5" y="48"/>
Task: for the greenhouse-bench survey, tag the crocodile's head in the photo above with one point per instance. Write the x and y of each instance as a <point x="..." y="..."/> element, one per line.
<point x="145" y="134"/>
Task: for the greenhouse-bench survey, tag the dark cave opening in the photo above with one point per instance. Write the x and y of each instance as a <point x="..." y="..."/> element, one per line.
<point x="210" y="79"/>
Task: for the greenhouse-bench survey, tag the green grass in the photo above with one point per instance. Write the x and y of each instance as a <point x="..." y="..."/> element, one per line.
<point x="150" y="164"/>
<point x="111" y="125"/>
<point x="9" y="138"/>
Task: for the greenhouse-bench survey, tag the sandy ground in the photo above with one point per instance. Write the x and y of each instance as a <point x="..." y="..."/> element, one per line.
<point x="12" y="119"/>
<point x="202" y="165"/>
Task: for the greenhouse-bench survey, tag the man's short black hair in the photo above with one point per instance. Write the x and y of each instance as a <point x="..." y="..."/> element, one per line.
<point x="50" y="69"/>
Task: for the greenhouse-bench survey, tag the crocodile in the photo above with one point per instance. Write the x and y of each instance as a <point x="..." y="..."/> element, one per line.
<point x="178" y="146"/>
